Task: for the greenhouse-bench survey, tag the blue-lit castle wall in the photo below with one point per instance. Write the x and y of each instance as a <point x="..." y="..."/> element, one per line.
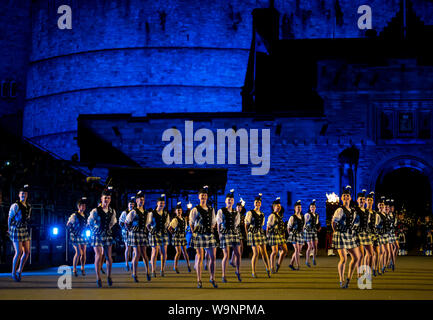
<point x="140" y="57"/>
<point x="143" y="56"/>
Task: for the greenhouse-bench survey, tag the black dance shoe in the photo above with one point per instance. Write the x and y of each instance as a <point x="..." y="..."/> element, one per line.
<point x="189" y="269"/>
<point x="278" y="268"/>
<point x="213" y="283"/>
<point x="239" y="277"/>
<point x="161" y="273"/>
<point x="223" y="280"/>
<point x="199" y="285"/>
<point x="148" y="277"/>
<point x="83" y="273"/>
<point x="102" y="271"/>
<point x="135" y="278"/>
<point x="75" y="273"/>
<point x="292" y="267"/>
<point x="99" y="283"/>
<point x="109" y="282"/>
<point x="347" y="284"/>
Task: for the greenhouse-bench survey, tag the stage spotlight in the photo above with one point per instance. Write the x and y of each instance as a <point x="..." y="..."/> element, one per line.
<point x="87" y="233"/>
<point x="54" y="231"/>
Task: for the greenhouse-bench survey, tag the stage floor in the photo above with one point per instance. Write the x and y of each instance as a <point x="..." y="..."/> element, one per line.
<point x="412" y="280"/>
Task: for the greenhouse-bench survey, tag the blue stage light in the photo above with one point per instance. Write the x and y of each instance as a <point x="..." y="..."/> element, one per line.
<point x="87" y="233"/>
<point x="55" y="231"/>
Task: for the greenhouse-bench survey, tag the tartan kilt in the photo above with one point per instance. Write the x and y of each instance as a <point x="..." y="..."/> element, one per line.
<point x="137" y="238"/>
<point x="364" y="238"/>
<point x="201" y="240"/>
<point x="383" y="238"/>
<point x="344" y="240"/>
<point x="241" y="235"/>
<point x="229" y="240"/>
<point x="310" y="236"/>
<point x="158" y="239"/>
<point x="275" y="239"/>
<point x="101" y="240"/>
<point x="178" y="240"/>
<point x="77" y="239"/>
<point x="19" y="234"/>
<point x="375" y="239"/>
<point x="296" y="238"/>
<point x="256" y="239"/>
<point x="392" y="237"/>
<point x="125" y="235"/>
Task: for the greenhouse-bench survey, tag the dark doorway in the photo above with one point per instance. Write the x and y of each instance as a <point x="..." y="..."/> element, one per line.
<point x="409" y="187"/>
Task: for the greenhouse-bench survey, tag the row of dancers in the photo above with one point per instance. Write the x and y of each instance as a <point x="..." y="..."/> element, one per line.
<point x="365" y="234"/>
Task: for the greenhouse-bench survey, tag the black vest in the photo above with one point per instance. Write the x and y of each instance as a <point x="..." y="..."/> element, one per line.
<point x="363" y="222"/>
<point x="381" y="228"/>
<point x="313" y="220"/>
<point x="298" y="224"/>
<point x="276" y="228"/>
<point x="256" y="222"/>
<point x="281" y="225"/>
<point x="241" y="226"/>
<point x="25" y="214"/>
<point x="204" y="220"/>
<point x="371" y="224"/>
<point x="142" y="219"/>
<point x="105" y="219"/>
<point x="160" y="221"/>
<point x="345" y="224"/>
<point x="79" y="225"/>
<point x="391" y="222"/>
<point x="228" y="224"/>
<point x="387" y="224"/>
<point x="180" y="229"/>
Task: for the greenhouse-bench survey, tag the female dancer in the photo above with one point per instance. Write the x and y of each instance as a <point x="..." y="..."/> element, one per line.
<point x="342" y="224"/>
<point x="366" y="232"/>
<point x="389" y="229"/>
<point x="157" y="223"/>
<point x="361" y="233"/>
<point x="202" y="221"/>
<point x="76" y="224"/>
<point x="381" y="230"/>
<point x="138" y="237"/>
<point x="177" y="228"/>
<point x="274" y="233"/>
<point x="254" y="222"/>
<point x="101" y="220"/>
<point x="312" y="226"/>
<point x="227" y="223"/>
<point x="18" y="229"/>
<point x="240" y="208"/>
<point x="122" y="219"/>
<point x="296" y="237"/>
<point x="394" y="246"/>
